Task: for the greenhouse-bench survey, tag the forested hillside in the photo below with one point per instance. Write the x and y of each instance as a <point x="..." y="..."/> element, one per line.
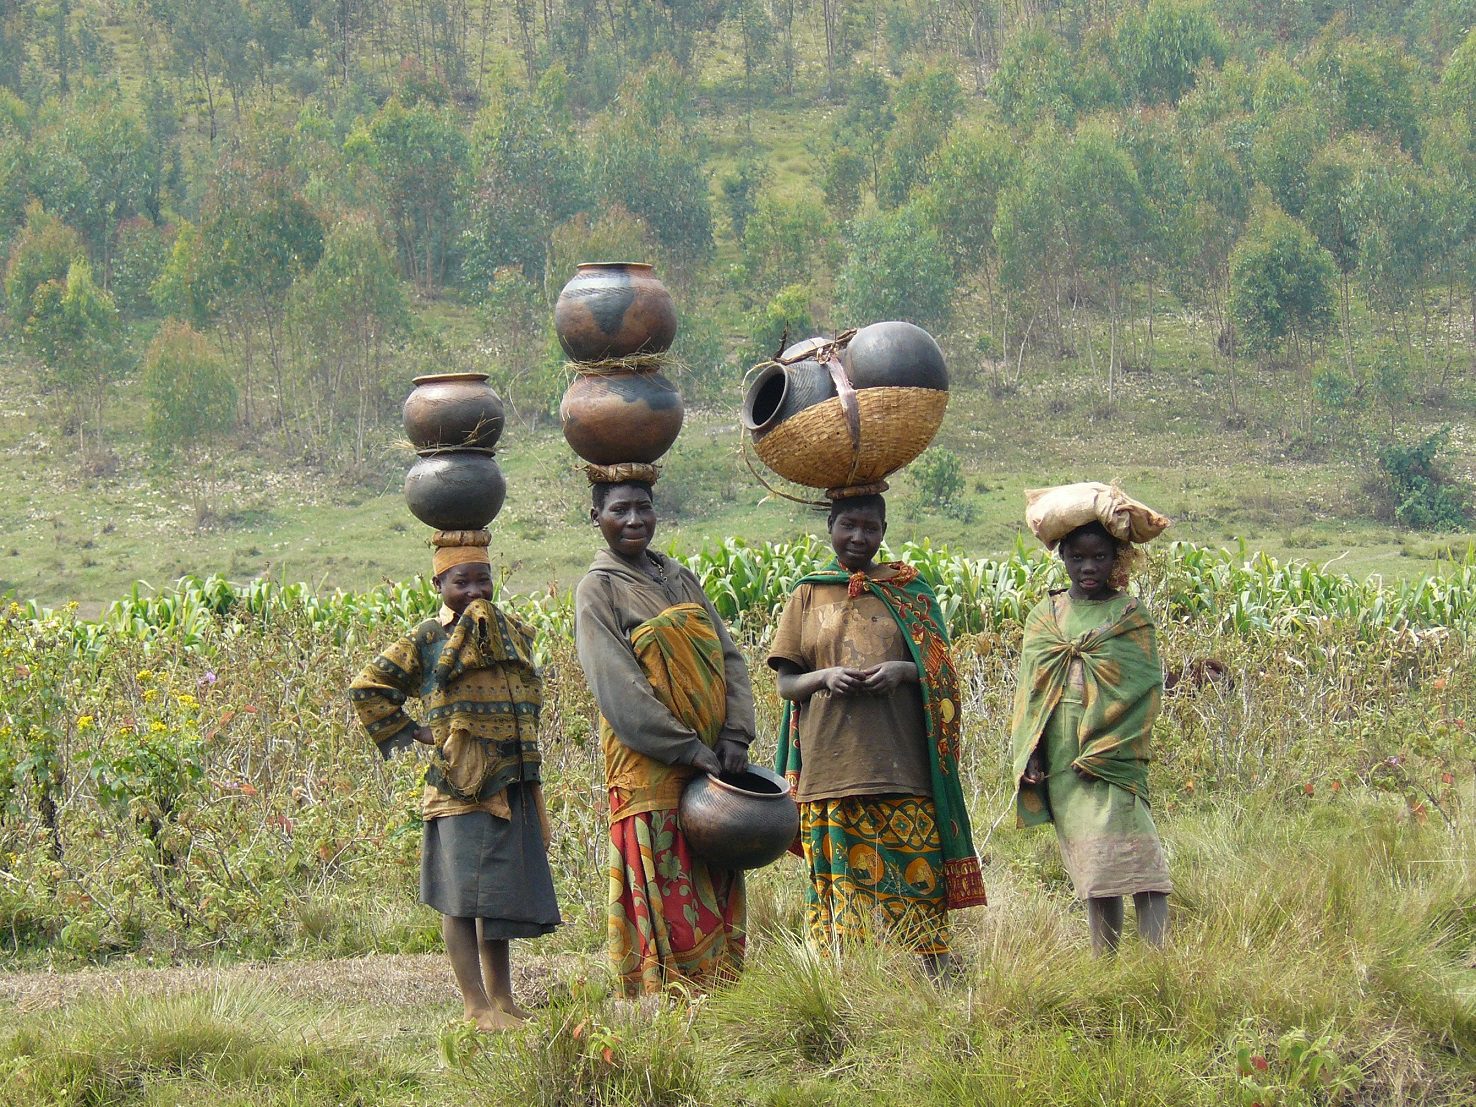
<point x="234" y="229"/>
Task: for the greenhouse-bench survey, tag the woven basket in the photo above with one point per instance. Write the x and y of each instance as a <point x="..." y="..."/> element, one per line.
<point x="814" y="447"/>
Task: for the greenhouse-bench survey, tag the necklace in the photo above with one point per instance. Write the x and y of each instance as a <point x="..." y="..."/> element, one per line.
<point x="656" y="564"/>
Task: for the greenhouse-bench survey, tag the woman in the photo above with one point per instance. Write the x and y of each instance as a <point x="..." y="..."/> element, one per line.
<point x="872" y="702"/>
<point x="1090" y="687"/>
<point x="674" y="700"/>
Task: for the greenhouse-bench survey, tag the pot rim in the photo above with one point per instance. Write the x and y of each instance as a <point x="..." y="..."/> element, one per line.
<point x="760" y="772"/>
<point x="428" y="378"/>
<point x="745" y="412"/>
<point x="615" y="265"/>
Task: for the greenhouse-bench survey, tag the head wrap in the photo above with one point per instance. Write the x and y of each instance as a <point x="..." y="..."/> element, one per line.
<point x="622" y="472"/>
<point x="459" y="547"/>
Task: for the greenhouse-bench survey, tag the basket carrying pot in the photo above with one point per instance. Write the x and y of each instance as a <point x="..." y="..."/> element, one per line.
<point x="863" y="432"/>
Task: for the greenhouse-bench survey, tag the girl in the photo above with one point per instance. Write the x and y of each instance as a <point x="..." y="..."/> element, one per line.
<point x="872" y="701"/>
<point x="674" y="700"/>
<point x="1089" y="689"/>
<point x="484" y="864"/>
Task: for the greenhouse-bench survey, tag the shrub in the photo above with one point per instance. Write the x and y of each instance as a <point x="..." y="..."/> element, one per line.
<point x="1418" y="489"/>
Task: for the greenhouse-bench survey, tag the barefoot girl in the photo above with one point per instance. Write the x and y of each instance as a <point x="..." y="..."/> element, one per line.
<point x="674" y="700"/>
<point x="1089" y="689"/>
<point x="484" y="864"/>
<point x="872" y="703"/>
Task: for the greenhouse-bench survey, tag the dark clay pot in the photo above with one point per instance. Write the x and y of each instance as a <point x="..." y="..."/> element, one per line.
<point x="453" y="409"/>
<point x="610" y="418"/>
<point x="456" y="490"/>
<point x="612" y="310"/>
<point x="784" y="390"/>
<point x="743" y="821"/>
<point x="895" y="355"/>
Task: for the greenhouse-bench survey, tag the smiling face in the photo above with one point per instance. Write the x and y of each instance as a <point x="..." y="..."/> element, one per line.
<point x="856" y="534"/>
<point x="461" y="584"/>
<point x="1089" y="558"/>
<point x="627" y="519"/>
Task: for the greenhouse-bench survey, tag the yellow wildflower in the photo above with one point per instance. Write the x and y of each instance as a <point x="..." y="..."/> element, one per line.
<point x="157" y="727"/>
<point x="84" y="721"/>
<point x="150" y="694"/>
<point x="145" y="675"/>
<point x="187" y="700"/>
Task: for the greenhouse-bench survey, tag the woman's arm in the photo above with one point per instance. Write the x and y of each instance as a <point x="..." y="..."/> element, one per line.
<point x="379" y="692"/>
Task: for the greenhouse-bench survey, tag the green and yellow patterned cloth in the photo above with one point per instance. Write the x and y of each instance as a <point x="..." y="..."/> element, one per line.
<point x="912" y="604"/>
<point x="1121" y="693"/>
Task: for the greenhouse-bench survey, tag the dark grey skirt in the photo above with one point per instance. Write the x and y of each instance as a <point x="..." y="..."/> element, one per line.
<point x="478" y="867"/>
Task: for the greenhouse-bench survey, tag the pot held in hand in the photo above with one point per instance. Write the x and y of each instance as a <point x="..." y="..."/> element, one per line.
<point x="455" y="490"/>
<point x="613" y="309"/>
<point x="740" y="820"/>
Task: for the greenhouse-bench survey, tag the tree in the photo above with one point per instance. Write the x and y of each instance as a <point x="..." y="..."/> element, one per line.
<point x="784" y="238"/>
<point x="527" y="178"/>
<point x="647" y="136"/>
<point x="192" y="400"/>
<point x="784" y="320"/>
<point x="43" y="251"/>
<point x="351" y="309"/>
<point x="1366" y="86"/>
<point x="1036" y="80"/>
<point x="421" y="157"/>
<point x="895" y="268"/>
<point x="74" y="331"/>
<point x="1160" y="48"/>
<point x="1281" y="288"/>
<point x="926" y="104"/>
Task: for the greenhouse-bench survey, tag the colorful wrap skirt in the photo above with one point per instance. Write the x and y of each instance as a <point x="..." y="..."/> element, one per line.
<point x="876" y="870"/>
<point x="673" y="920"/>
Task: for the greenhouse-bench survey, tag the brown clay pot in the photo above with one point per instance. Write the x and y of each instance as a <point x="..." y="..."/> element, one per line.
<point x="743" y="821"/>
<point x="612" y="309"/>
<point x="610" y="418"/>
<point x="894" y="355"/>
<point x="781" y="391"/>
<point x="453" y="409"/>
<point x="455" y="490"/>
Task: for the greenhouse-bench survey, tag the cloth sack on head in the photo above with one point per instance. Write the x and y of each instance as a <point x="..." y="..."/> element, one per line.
<point x="459" y="547"/>
<point x="1053" y="513"/>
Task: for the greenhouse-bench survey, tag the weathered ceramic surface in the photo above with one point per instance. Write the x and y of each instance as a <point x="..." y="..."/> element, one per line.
<point x="614" y="310"/>
<point x="783" y="390"/>
<point x="894" y="354"/>
<point x="744" y="821"/>
<point x="611" y="418"/>
<point x="453" y="409"/>
<point x="456" y="490"/>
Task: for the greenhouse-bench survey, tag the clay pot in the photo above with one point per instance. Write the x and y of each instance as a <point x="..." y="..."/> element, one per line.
<point x="894" y="355"/>
<point x="614" y="417"/>
<point x="613" y="310"/>
<point x="455" y="490"/>
<point x="784" y="390"/>
<point x="743" y="821"/>
<point x="453" y="409"/>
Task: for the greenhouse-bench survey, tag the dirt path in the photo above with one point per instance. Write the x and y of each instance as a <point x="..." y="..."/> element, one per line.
<point x="386" y="981"/>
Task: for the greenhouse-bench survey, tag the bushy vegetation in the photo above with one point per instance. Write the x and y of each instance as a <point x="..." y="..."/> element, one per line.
<point x="182" y="779"/>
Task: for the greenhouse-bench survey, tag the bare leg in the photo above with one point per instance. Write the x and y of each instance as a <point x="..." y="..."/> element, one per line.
<point x="497" y="974"/>
<point x="940" y="967"/>
<point x="462" y="946"/>
<point x="1153" y="916"/>
<point x="1104" y="920"/>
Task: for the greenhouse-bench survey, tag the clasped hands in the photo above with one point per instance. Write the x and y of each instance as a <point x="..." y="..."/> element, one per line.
<point x="842" y="680"/>
<point x="1035" y="771"/>
<point x="730" y="756"/>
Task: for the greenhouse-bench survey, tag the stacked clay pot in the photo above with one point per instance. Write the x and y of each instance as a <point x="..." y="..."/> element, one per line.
<point x="615" y="320"/>
<point x="454" y="420"/>
<point x="797" y="419"/>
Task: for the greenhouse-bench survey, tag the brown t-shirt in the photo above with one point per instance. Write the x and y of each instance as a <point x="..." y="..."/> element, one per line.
<point x="861" y="744"/>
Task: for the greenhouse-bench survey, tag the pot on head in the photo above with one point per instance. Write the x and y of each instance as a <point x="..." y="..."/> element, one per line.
<point x="740" y="821"/>
<point x="781" y="391"/>
<point x="453" y="409"/>
<point x="610" y="418"/>
<point x="455" y="490"/>
<point x="894" y="354"/>
<point x="613" y="309"/>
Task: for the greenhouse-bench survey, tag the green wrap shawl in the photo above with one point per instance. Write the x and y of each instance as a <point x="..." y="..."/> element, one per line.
<point x="1123" y="681"/>
<point x="912" y="603"/>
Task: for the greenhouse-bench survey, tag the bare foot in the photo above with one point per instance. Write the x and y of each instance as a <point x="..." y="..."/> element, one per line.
<point x="494" y="1020"/>
<point x="506" y="1004"/>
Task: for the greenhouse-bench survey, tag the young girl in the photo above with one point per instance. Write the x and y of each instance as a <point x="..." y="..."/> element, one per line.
<point x="674" y="700"/>
<point x="1089" y="689"/>
<point x="484" y="864"/>
<point x="872" y="701"/>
